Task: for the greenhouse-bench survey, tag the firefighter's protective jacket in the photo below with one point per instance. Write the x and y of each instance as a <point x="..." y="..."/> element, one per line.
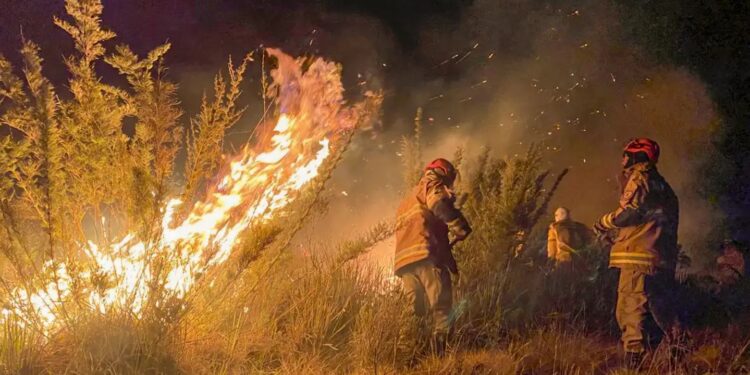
<point x="565" y="238"/>
<point x="425" y="218"/>
<point x="645" y="222"/>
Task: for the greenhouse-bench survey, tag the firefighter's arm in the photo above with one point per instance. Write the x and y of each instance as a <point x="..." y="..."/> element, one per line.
<point x="441" y="202"/>
<point x="551" y="243"/>
<point x="630" y="211"/>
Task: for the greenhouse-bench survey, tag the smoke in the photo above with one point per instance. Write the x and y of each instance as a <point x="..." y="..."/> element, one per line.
<point x="514" y="73"/>
<point x="501" y="74"/>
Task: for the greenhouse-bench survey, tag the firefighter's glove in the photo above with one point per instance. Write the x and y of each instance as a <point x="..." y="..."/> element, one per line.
<point x="600" y="230"/>
<point x="460" y="199"/>
<point x="460" y="228"/>
<point x="602" y="233"/>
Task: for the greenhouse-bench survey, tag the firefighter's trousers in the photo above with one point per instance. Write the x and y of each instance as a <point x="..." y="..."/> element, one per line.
<point x="646" y="308"/>
<point x="429" y="290"/>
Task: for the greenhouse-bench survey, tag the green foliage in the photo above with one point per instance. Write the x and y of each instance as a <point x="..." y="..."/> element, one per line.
<point x="207" y="129"/>
<point x="157" y="137"/>
<point x="505" y="201"/>
<point x="19" y="349"/>
<point x="91" y="147"/>
<point x="31" y="114"/>
<point x="411" y="153"/>
<point x="386" y="335"/>
<point x="351" y="249"/>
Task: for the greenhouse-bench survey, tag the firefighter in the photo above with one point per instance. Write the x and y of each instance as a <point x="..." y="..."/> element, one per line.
<point x="423" y="258"/>
<point x="643" y="234"/>
<point x="565" y="238"/>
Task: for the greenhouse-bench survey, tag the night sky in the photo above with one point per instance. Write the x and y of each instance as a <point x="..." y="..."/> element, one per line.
<point x="417" y="50"/>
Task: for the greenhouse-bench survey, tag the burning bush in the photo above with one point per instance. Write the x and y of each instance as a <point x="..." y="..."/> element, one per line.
<point x="91" y="237"/>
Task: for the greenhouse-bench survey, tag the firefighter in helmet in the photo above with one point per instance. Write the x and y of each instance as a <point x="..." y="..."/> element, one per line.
<point x="423" y="258"/>
<point x="565" y="238"/>
<point x="643" y="234"/>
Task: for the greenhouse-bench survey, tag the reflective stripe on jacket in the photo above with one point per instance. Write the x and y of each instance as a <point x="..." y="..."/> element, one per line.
<point x="646" y="221"/>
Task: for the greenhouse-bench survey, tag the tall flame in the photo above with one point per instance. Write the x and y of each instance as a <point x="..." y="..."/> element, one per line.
<point x="258" y="183"/>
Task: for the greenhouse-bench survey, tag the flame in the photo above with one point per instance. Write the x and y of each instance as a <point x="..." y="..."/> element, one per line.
<point x="258" y="183"/>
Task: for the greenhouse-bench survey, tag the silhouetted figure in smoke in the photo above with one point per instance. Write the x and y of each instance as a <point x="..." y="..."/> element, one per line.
<point x="643" y="231"/>
<point x="727" y="282"/>
<point x="720" y="296"/>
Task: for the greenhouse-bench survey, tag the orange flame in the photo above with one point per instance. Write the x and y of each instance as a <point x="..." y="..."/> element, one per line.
<point x="257" y="184"/>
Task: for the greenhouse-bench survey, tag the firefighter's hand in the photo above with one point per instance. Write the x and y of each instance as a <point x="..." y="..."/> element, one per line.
<point x="603" y="238"/>
<point x="460" y="199"/>
<point x="599" y="229"/>
<point x="459" y="228"/>
<point x="454" y="242"/>
<point x="602" y="233"/>
<point x="458" y="237"/>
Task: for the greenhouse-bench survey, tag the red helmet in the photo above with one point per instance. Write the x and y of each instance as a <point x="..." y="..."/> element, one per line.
<point x="446" y="168"/>
<point x="644" y="145"/>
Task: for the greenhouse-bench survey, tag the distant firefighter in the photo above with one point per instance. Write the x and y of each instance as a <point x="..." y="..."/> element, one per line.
<point x="423" y="258"/>
<point x="643" y="230"/>
<point x="565" y="237"/>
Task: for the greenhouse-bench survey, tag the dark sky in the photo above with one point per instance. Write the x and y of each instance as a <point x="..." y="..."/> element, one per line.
<point x="203" y="32"/>
<point x="417" y="50"/>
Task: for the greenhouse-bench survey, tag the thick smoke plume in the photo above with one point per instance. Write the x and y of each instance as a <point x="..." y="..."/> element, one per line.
<point x="514" y="73"/>
<point x="501" y="74"/>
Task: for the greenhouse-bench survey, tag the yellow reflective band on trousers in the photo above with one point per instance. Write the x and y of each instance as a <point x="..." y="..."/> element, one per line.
<point x="631" y="258"/>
